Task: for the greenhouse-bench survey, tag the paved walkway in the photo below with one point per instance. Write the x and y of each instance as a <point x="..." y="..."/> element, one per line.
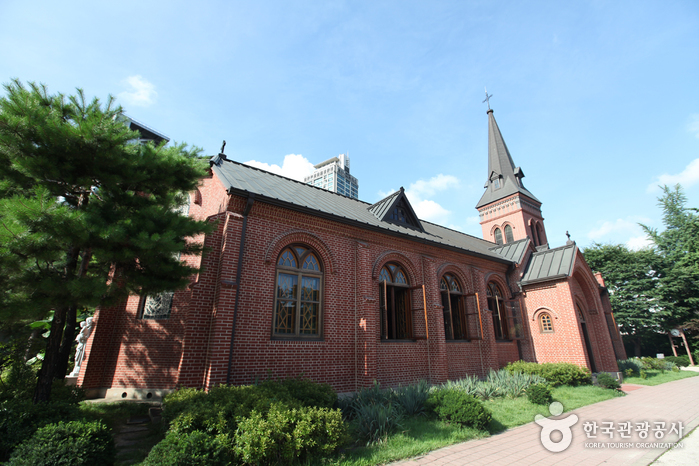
<point x="671" y="402"/>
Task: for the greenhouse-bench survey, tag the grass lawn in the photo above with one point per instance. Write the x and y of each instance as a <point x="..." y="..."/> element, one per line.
<point x="418" y="436"/>
<point x="508" y="412"/>
<point x="422" y="435"/>
<point x="657" y="377"/>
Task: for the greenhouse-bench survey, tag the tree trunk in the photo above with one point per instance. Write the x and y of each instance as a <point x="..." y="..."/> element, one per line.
<point x="66" y="347"/>
<point x="48" y="367"/>
<point x="33" y="337"/>
<point x="52" y="355"/>
<point x="71" y="323"/>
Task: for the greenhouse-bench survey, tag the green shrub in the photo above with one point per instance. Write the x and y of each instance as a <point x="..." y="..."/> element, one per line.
<point x="191" y="449"/>
<point x="20" y="418"/>
<point x="661" y="365"/>
<point x="461" y="408"/>
<point x="74" y="443"/>
<point x="413" y="397"/>
<point x="539" y="394"/>
<point x="287" y="435"/>
<point x="605" y="380"/>
<point x="629" y="372"/>
<point x="309" y="393"/>
<point x="679" y="361"/>
<point x="634" y="364"/>
<point x="555" y="373"/>
<point x="376" y="421"/>
<point x="643" y="374"/>
<point x="675" y="369"/>
<point x="218" y="411"/>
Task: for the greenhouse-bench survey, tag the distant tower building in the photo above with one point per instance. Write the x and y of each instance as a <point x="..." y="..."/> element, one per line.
<point x="334" y="175"/>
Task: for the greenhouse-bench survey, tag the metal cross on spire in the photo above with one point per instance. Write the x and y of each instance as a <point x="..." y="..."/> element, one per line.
<point x="487" y="97"/>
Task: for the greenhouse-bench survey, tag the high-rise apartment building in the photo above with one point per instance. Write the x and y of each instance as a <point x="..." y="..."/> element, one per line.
<point x="334" y="175"/>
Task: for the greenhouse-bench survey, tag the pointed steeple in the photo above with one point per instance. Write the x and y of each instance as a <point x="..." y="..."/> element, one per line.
<point x="503" y="178"/>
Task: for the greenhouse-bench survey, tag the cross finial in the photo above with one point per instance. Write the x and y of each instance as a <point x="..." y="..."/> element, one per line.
<point x="223" y="146"/>
<point x="487" y="97"/>
<point x="568" y="235"/>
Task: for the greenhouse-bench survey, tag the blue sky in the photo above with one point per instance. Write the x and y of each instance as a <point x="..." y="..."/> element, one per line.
<point x="598" y="101"/>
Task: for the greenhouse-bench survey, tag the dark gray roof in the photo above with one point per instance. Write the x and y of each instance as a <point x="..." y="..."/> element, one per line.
<point x="381" y="208"/>
<point x="500" y="165"/>
<point x="550" y="264"/>
<point x="277" y="190"/>
<point x="513" y="251"/>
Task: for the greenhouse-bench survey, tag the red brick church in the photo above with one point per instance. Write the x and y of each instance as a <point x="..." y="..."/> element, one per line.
<point x="303" y="281"/>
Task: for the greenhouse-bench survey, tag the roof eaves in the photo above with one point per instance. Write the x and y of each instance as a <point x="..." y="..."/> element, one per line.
<point x="364" y="225"/>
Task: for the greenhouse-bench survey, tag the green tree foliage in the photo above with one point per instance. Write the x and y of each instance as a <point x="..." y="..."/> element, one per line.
<point x="86" y="216"/>
<point x="678" y="244"/>
<point x="632" y="278"/>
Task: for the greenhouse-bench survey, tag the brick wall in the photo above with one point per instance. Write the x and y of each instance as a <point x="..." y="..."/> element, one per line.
<point x="193" y="346"/>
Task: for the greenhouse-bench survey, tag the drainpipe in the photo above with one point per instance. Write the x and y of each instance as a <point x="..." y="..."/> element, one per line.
<point x="238" y="274"/>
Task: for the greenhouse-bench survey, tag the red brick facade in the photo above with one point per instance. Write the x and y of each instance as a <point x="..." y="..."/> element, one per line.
<point x="205" y="342"/>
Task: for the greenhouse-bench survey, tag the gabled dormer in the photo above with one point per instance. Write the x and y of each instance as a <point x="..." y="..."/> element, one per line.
<point x="395" y="208"/>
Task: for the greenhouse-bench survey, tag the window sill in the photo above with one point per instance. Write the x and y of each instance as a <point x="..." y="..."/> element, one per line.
<point x="459" y="341"/>
<point x="398" y="341"/>
<point x="282" y="341"/>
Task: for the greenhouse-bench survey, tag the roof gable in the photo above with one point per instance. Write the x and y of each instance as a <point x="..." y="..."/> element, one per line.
<point x="395" y="208"/>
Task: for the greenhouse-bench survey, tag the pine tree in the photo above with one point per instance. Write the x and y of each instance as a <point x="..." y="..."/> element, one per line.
<point x="678" y="243"/>
<point x="87" y="217"/>
<point x="632" y="278"/>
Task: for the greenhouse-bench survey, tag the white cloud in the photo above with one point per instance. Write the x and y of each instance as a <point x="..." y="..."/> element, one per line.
<point x="619" y="225"/>
<point x="142" y="93"/>
<point x="431" y="211"/>
<point x="428" y="209"/>
<point x="636" y="243"/>
<point x="295" y="166"/>
<point x="621" y="228"/>
<point x="422" y="188"/>
<point x="687" y="177"/>
<point x="385" y="194"/>
<point x="693" y="125"/>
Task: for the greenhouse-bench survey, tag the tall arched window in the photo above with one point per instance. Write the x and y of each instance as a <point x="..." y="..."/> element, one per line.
<point x="297" y="301"/>
<point x="539" y="233"/>
<point x="545" y="323"/>
<point x="454" y="304"/>
<point x="509" y="237"/>
<point x="394" y="297"/>
<point x="498" y="235"/>
<point x="496" y="304"/>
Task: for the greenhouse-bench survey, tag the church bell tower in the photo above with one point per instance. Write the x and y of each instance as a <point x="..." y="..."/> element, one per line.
<point x="508" y="211"/>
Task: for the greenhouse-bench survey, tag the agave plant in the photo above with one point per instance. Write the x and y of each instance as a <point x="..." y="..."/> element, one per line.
<point x="376" y="421"/>
<point x="413" y="397"/>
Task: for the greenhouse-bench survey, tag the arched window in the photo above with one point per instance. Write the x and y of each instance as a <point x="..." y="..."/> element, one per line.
<point x="509" y="237"/>
<point x="498" y="236"/>
<point x="394" y="297"/>
<point x="297" y="301"/>
<point x="535" y="239"/>
<point x="545" y="323"/>
<point x="496" y="304"/>
<point x="454" y="304"/>
<point x="539" y="233"/>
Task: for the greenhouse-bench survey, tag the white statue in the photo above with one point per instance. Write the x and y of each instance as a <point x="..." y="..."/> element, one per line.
<point x="86" y="330"/>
